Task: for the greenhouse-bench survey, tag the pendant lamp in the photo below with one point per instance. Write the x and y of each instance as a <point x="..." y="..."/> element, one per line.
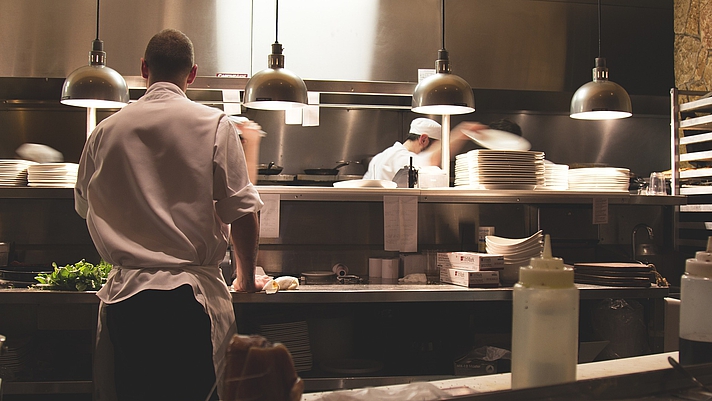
<point x="443" y="93"/>
<point x="275" y="88"/>
<point x="95" y="85"/>
<point x="600" y="99"/>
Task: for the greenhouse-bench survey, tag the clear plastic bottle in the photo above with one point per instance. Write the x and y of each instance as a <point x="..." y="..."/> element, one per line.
<point x="544" y="323"/>
<point x="695" y="302"/>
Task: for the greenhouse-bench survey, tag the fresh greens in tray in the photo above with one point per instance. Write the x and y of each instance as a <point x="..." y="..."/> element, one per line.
<point x="81" y="276"/>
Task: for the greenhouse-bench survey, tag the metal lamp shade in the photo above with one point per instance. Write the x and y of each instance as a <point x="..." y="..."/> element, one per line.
<point x="275" y="89"/>
<point x="600" y="100"/>
<point x="96" y="86"/>
<point x="443" y="94"/>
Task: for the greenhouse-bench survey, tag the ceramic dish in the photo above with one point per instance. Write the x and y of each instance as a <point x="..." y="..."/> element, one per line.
<point x="498" y="140"/>
<point x="365" y="184"/>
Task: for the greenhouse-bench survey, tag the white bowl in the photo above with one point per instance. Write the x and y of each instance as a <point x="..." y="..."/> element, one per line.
<point x="513" y="250"/>
<point x="508" y="242"/>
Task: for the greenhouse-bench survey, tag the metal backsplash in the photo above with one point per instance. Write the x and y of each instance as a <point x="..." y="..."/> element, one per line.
<point x="494" y="44"/>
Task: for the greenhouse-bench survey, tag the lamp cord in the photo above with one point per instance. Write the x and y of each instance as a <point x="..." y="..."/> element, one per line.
<point x="97" y="19"/>
<point x="276" y="21"/>
<point x="442" y="23"/>
<point x="599" y="28"/>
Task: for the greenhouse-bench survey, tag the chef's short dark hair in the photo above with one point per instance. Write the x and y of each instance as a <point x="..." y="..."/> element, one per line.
<point x="506" y="125"/>
<point x="415" y="137"/>
<point x="169" y="55"/>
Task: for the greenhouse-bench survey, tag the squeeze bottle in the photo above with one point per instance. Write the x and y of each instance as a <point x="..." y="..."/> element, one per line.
<point x="695" y="302"/>
<point x="544" y="323"/>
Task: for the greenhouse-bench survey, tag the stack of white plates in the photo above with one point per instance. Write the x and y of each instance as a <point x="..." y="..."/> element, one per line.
<point x="294" y="336"/>
<point x="516" y="252"/>
<point x="556" y="176"/>
<point x="500" y="169"/>
<point x="13" y="172"/>
<point x="464" y="174"/>
<point x="54" y="175"/>
<point x="608" y="179"/>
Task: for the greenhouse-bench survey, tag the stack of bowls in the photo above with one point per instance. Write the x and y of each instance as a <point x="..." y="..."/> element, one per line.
<point x="516" y="252"/>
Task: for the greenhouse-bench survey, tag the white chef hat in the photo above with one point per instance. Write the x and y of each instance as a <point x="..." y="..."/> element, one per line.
<point x="426" y="126"/>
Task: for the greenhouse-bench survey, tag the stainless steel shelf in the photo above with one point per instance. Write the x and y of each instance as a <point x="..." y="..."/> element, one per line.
<point x="696" y="173"/>
<point x="696" y="156"/>
<point x="696" y="208"/>
<point x="696" y="190"/>
<point x="430" y="195"/>
<point x="703" y="123"/>
<point x="370" y="293"/>
<point x="703" y="104"/>
<point x="48" y="387"/>
<point x="348" y="293"/>
<point x="698" y="138"/>
<point x="313" y="85"/>
<point x="696" y="225"/>
<point x="454" y="195"/>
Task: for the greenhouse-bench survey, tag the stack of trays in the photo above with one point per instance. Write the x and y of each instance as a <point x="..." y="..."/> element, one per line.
<point x="556" y="176"/>
<point x="294" y="336"/>
<point x="14" y="362"/>
<point x="500" y="169"/>
<point x="13" y="172"/>
<point x="53" y="175"/>
<point x="608" y="179"/>
<point x="614" y="274"/>
<point x="516" y="251"/>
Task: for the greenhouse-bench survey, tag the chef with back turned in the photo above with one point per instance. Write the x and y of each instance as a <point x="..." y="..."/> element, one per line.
<point x="422" y="145"/>
<point x="160" y="183"/>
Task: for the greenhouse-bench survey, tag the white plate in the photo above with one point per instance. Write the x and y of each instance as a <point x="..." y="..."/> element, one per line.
<point x="498" y="140"/>
<point x="365" y="184"/>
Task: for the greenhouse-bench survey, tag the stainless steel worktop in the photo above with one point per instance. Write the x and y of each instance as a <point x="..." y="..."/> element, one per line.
<point x="348" y="293"/>
<point x="429" y="195"/>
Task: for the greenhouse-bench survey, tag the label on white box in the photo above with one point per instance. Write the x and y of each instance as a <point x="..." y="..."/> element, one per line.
<point x="470" y="260"/>
<point x="469" y="278"/>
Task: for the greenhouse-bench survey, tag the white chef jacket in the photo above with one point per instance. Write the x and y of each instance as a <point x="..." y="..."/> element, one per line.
<point x="386" y="164"/>
<point x="158" y="183"/>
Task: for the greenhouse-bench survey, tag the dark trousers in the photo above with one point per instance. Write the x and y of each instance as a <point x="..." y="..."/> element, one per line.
<point x="162" y="346"/>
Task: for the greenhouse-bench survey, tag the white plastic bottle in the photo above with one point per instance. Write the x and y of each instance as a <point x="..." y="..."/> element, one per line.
<point x="544" y="323"/>
<point x="695" y="303"/>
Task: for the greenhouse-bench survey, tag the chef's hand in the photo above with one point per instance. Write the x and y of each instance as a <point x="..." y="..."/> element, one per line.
<point x="249" y="130"/>
<point x="458" y="131"/>
<point x="261" y="280"/>
<point x="250" y="137"/>
<point x="255" y="286"/>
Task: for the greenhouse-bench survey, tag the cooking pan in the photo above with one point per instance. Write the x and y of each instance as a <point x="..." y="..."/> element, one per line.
<point x="269" y="169"/>
<point x="326" y="171"/>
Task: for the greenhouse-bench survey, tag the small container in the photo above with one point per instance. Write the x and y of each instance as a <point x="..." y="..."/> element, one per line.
<point x="482" y="234"/>
<point x="544" y="323"/>
<point x="656" y="185"/>
<point x="695" y="301"/>
<point x="4" y="253"/>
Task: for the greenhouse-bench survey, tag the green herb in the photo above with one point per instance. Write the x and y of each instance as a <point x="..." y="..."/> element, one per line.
<point x="81" y="276"/>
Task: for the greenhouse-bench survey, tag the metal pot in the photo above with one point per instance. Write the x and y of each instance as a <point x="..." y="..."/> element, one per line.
<point x="326" y="171"/>
<point x="269" y="169"/>
<point x="319" y="277"/>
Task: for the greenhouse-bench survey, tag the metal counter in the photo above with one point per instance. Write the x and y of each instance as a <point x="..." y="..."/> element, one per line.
<point x="347" y="293"/>
<point x="429" y="195"/>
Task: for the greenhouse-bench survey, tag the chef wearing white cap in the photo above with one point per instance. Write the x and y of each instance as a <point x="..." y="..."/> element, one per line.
<point x="422" y="144"/>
